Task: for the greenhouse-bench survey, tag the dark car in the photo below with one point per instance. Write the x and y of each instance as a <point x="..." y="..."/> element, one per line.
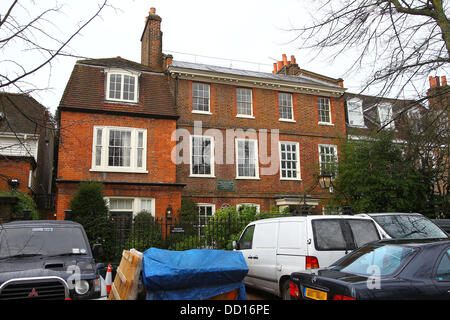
<point x="385" y="269"/>
<point x="47" y="260"/>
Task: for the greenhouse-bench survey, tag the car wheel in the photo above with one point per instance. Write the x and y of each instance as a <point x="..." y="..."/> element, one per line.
<point x="285" y="295"/>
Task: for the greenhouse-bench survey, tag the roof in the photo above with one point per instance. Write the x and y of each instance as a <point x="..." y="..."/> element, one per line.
<point x="23" y="113"/>
<point x="301" y="79"/>
<point x="370" y="103"/>
<point x="85" y="90"/>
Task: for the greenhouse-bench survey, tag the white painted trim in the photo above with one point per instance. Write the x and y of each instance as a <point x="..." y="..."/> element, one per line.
<point x="133" y="168"/>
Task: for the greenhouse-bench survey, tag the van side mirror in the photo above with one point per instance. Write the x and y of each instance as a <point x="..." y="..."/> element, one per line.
<point x="97" y="251"/>
<point x="235" y="245"/>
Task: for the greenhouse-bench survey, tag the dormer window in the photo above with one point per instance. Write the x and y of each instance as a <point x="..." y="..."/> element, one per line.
<point x="385" y="115"/>
<point x="355" y="113"/>
<point x="122" y="86"/>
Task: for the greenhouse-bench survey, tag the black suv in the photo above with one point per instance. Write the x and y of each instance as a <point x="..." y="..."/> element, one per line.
<point x="47" y="260"/>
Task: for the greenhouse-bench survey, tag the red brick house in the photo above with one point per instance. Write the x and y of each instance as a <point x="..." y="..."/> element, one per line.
<point x="161" y="130"/>
<point x="26" y="147"/>
<point x="116" y="118"/>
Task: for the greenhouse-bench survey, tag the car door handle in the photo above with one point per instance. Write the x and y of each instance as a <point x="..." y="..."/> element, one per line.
<point x="254" y="257"/>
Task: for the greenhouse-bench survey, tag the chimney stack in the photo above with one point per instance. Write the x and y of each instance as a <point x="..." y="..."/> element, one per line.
<point x="285" y="66"/>
<point x="151" y="42"/>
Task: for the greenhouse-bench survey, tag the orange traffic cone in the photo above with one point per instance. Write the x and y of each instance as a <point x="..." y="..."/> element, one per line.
<point x="108" y="280"/>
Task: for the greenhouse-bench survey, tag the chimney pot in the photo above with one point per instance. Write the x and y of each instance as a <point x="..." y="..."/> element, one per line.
<point x="152" y="11"/>
<point x="284" y="60"/>
<point x="274" y="68"/>
<point x="438" y="83"/>
<point x="279" y="65"/>
<point x="292" y="59"/>
<point x="432" y="81"/>
<point x="444" y="81"/>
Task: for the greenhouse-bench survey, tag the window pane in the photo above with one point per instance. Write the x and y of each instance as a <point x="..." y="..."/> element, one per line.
<point x="246" y="158"/>
<point x="289" y="160"/>
<point x="119" y="148"/>
<point x="355" y="113"/>
<point x="115" y="84"/>
<point x="327" y="156"/>
<point x="324" y="110"/>
<point x="98" y="148"/>
<point x="328" y="235"/>
<point x="128" y="87"/>
<point x="244" y="101"/>
<point x="201" y="155"/>
<point x="363" y="232"/>
<point x="200" y="96"/>
<point x="285" y="105"/>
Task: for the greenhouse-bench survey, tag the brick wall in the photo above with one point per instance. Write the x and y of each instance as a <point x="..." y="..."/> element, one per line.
<point x="306" y="131"/>
<point x="76" y="141"/>
<point x="17" y="169"/>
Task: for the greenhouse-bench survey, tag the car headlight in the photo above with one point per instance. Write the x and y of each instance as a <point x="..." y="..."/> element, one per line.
<point x="81" y="287"/>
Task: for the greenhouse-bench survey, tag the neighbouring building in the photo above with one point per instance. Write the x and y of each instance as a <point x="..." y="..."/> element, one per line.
<point x="116" y="119"/>
<point x="26" y="148"/>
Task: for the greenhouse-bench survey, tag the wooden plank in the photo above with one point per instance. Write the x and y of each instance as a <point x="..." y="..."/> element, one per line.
<point x="125" y="285"/>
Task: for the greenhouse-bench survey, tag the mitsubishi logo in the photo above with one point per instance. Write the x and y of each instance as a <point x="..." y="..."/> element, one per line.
<point x="33" y="293"/>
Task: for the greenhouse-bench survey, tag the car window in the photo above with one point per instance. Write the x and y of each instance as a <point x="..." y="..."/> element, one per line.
<point x="364" y="231"/>
<point x="385" y="259"/>
<point x="247" y="238"/>
<point x="409" y="226"/>
<point x="328" y="235"/>
<point x="443" y="270"/>
<point x="41" y="241"/>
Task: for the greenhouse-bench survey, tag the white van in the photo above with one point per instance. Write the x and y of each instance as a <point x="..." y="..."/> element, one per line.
<point x="274" y="248"/>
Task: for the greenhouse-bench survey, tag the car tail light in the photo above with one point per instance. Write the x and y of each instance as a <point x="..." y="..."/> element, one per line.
<point x="311" y="263"/>
<point x="293" y="290"/>
<point x="341" y="297"/>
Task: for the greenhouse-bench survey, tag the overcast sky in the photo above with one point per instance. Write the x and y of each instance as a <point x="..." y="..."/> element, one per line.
<point x="205" y="31"/>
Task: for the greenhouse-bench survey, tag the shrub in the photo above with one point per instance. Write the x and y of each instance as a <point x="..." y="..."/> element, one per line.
<point x="90" y="210"/>
<point x="25" y="202"/>
<point x="145" y="233"/>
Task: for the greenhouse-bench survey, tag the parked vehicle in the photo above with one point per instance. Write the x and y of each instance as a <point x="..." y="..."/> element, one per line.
<point x="444" y="224"/>
<point x="386" y="269"/>
<point x="274" y="248"/>
<point x="406" y="226"/>
<point x="47" y="260"/>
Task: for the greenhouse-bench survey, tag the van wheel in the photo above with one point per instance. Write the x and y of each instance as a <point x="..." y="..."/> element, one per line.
<point x="285" y="295"/>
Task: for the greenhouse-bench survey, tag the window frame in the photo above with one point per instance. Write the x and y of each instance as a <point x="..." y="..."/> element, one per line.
<point x="212" y="160"/>
<point x="242" y="115"/>
<point x="134" y="140"/>
<point x="359" y="103"/>
<point x="298" y="169"/>
<point x="390" y="114"/>
<point x="209" y="98"/>
<point x="136" y="204"/>
<point x="122" y="73"/>
<point x="291" y="95"/>
<point x="329" y="111"/>
<point x="320" y="158"/>
<point x="256" y="177"/>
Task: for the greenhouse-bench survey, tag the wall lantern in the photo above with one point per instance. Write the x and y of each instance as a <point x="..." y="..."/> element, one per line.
<point x="325" y="180"/>
<point x="169" y="212"/>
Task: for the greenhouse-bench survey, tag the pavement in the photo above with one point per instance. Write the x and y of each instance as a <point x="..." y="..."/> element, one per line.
<point x="254" y="294"/>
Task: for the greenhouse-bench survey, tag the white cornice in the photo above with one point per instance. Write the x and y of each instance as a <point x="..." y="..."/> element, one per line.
<point x="271" y="84"/>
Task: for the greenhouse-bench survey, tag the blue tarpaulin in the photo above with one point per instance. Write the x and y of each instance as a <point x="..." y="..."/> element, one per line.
<point x="195" y="274"/>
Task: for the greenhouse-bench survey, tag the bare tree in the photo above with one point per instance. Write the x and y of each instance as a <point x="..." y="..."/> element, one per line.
<point x="30" y="41"/>
<point x="396" y="43"/>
